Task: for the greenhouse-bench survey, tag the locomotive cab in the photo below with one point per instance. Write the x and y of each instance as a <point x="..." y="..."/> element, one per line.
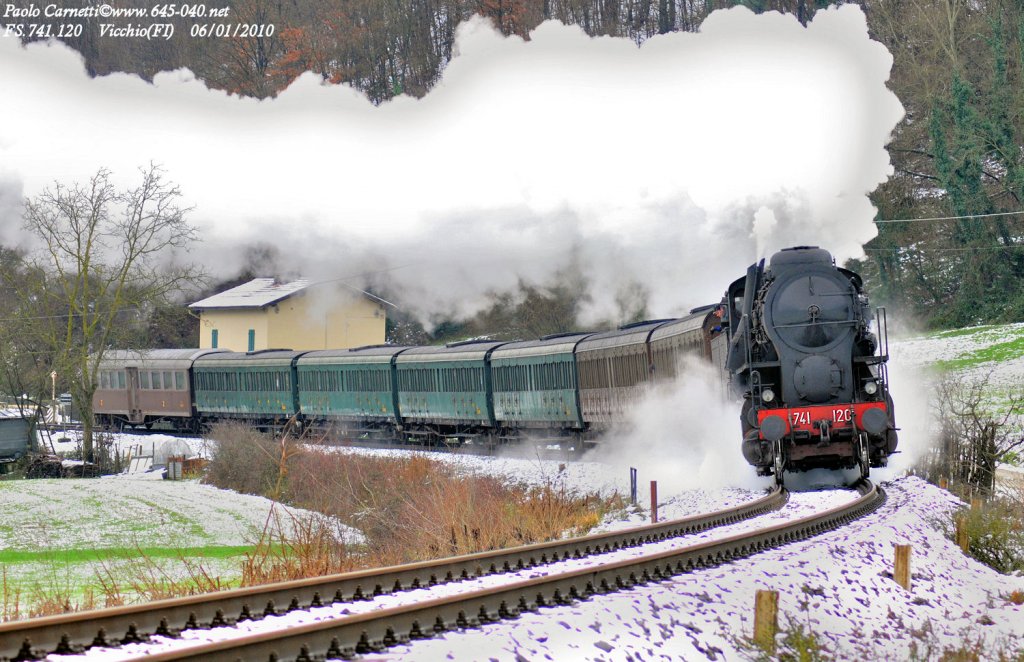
<point x="803" y="358"/>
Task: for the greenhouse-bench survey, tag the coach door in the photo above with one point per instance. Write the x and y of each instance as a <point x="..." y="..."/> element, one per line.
<point x="135" y="415"/>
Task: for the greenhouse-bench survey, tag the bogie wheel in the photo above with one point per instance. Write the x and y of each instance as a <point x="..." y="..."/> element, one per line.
<point x="863" y="455"/>
<point x="779" y="463"/>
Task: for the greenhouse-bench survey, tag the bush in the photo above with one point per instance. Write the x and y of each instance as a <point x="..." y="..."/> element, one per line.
<point x="974" y="436"/>
<point x="407" y="508"/>
<point x="313" y="547"/>
<point x="248" y="461"/>
<point x="414" y="508"/>
<point x="995" y="534"/>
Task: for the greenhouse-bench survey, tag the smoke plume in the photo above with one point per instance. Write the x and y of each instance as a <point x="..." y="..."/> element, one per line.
<point x="672" y="165"/>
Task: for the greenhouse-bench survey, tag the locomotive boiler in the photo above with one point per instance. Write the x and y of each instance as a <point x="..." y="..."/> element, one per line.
<point x="810" y="370"/>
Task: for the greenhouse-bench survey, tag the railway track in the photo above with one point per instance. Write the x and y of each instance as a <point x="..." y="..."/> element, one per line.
<point x="72" y="632"/>
<point x="376" y="630"/>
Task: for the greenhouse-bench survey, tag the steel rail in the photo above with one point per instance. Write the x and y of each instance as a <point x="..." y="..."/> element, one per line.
<point x="377" y="630"/>
<point x="70" y="633"/>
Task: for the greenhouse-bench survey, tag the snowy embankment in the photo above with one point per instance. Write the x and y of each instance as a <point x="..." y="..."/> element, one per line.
<point x="838" y="585"/>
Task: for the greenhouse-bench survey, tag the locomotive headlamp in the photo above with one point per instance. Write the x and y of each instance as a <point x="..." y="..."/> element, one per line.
<point x="767" y="395"/>
<point x="871" y="387"/>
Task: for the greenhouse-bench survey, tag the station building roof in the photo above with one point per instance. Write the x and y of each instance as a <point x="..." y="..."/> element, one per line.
<point x="263" y="292"/>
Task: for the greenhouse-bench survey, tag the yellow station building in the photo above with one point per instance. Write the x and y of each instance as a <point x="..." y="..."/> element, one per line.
<point x="268" y="314"/>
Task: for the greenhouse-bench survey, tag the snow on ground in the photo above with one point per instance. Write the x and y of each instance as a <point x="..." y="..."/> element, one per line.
<point x="800" y="505"/>
<point x="61" y="534"/>
<point x="993" y="351"/>
<point x="838" y="585"/>
<point x="158" y="446"/>
<point x="55" y="514"/>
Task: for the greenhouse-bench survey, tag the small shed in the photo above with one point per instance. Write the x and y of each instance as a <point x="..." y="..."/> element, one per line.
<point x="15" y="429"/>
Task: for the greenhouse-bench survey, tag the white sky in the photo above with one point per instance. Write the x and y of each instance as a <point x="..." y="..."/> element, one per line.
<point x="644" y="164"/>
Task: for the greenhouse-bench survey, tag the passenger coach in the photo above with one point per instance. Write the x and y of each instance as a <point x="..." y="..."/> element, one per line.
<point x="535" y="386"/>
<point x="147" y="387"/>
<point x="444" y="393"/>
<point x="351" y="389"/>
<point x="256" y="386"/>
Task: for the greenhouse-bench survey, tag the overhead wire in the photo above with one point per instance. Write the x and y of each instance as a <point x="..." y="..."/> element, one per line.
<point x="960" y="249"/>
<point x="949" y="218"/>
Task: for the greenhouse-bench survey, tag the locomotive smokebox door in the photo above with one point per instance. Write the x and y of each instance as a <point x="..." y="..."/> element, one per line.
<point x="818" y="378"/>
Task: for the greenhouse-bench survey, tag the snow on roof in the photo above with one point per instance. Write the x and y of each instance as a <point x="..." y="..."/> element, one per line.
<point x="13" y="412"/>
<point x="262" y="292"/>
<point x="257" y="293"/>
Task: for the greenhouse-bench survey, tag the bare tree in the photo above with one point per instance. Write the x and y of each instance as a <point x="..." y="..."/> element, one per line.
<point x="107" y="257"/>
<point x="974" y="436"/>
<point x="22" y="368"/>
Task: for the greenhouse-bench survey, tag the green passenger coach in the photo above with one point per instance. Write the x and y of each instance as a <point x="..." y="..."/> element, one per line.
<point x="446" y="386"/>
<point x="535" y="384"/>
<point x="348" y="385"/>
<point x="258" y="386"/>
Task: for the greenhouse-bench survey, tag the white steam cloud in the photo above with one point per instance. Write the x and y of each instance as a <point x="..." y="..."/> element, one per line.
<point x="684" y="434"/>
<point x="672" y="165"/>
<point x="912" y="388"/>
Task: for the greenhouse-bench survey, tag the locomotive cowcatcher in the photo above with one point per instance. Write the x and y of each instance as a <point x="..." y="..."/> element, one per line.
<point x="811" y="372"/>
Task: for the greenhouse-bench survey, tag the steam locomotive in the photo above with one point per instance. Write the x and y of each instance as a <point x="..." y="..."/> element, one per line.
<point x="811" y="372"/>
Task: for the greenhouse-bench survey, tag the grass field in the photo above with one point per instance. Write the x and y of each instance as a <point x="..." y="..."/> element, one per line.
<point x="81" y="538"/>
<point x="982" y="348"/>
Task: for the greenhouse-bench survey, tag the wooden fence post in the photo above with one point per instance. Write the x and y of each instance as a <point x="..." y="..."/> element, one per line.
<point x="943" y="483"/>
<point x="975" y="503"/>
<point x="901" y="568"/>
<point x="654" y="502"/>
<point x="962" y="540"/>
<point x="766" y="620"/>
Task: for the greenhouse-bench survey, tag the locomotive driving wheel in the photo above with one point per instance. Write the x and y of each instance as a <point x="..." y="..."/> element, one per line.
<point x="863" y="455"/>
<point x="779" y="462"/>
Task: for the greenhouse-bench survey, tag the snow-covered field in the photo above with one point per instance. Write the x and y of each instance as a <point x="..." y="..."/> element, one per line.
<point x="992" y="352"/>
<point x="62" y="536"/>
